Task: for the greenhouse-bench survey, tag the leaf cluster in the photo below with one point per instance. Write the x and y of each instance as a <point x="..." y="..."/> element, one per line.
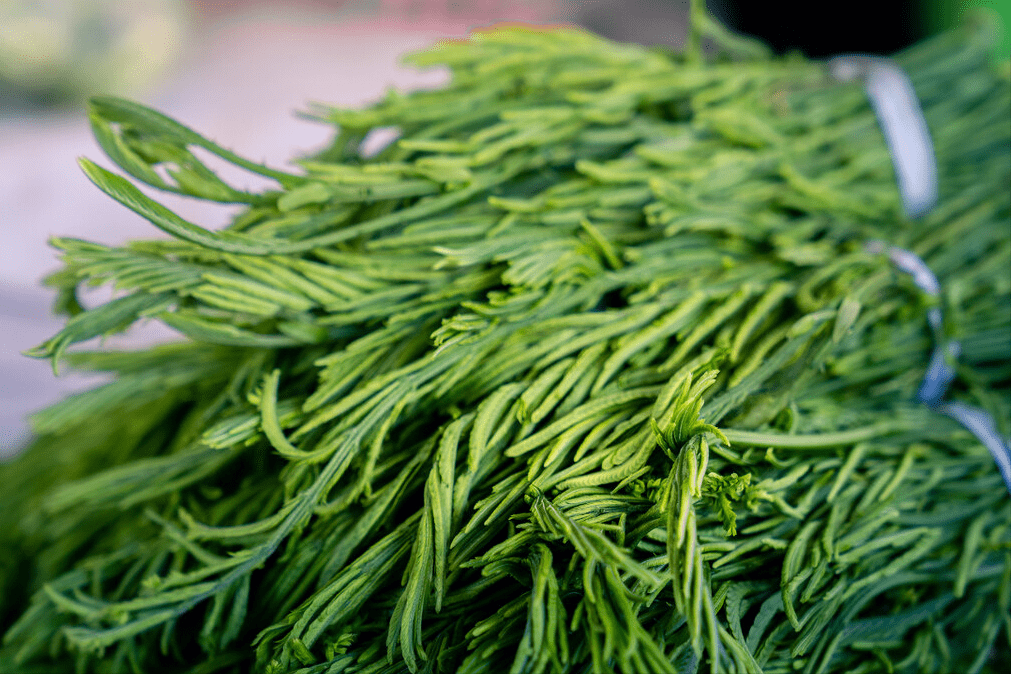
<point x="441" y="409"/>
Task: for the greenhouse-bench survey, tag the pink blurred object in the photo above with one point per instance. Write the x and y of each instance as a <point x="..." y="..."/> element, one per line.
<point x="411" y="12"/>
<point x="470" y="13"/>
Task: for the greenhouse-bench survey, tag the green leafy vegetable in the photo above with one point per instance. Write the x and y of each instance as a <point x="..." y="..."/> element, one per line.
<point x="589" y="371"/>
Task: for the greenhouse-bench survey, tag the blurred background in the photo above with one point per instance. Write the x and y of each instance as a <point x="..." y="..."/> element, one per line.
<point x="236" y="70"/>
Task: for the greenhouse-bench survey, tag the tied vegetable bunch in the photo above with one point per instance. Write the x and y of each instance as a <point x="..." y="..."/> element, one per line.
<point x="590" y="370"/>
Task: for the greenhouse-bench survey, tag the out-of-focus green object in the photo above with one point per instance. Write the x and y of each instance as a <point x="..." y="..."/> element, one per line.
<point x="944" y="14"/>
<point x="59" y="51"/>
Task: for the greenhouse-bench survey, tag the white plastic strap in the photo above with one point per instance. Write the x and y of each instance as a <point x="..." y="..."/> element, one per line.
<point x="941" y="372"/>
<point x="901" y="120"/>
<point x="983" y="427"/>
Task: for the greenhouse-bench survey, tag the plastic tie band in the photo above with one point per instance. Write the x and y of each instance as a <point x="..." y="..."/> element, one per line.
<point x="941" y="371"/>
<point x="901" y="120"/>
<point x="905" y="130"/>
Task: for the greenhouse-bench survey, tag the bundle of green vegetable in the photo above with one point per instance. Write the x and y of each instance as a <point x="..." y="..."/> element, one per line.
<point x="441" y="409"/>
